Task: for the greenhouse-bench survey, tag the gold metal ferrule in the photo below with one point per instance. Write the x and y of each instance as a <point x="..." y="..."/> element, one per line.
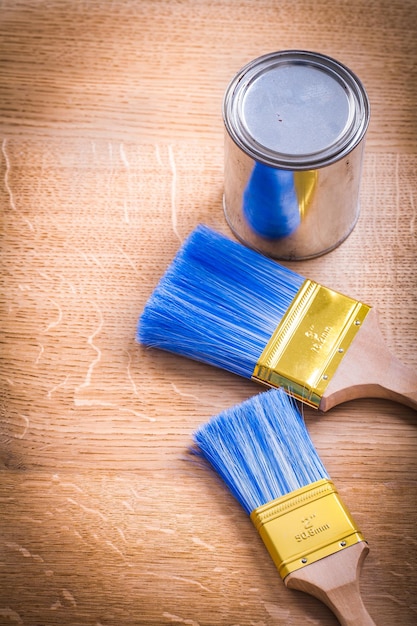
<point x="307" y="346"/>
<point x="304" y="526"/>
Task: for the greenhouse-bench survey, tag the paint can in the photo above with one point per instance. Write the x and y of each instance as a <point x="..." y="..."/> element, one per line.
<point x="295" y="126"/>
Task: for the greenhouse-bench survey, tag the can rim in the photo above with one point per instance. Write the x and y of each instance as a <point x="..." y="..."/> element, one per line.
<point x="353" y="132"/>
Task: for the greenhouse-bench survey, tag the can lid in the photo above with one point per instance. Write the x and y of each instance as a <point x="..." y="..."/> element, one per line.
<point x="296" y="109"/>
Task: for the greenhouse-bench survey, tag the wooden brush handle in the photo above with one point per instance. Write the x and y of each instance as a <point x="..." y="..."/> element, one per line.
<point x="369" y="370"/>
<point x="335" y="581"/>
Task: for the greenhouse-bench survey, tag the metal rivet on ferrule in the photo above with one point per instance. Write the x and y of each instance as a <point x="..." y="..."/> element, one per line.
<point x="304" y="560"/>
<point x="343" y="544"/>
<point x="340" y="350"/>
<point x="357" y="322"/>
<point x="325" y="377"/>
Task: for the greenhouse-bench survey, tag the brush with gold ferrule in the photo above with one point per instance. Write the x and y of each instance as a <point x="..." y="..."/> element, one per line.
<point x="224" y="304"/>
<point x="262" y="450"/>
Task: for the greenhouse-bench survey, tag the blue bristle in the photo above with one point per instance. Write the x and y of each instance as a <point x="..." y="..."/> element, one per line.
<point x="261" y="449"/>
<point x="219" y="302"/>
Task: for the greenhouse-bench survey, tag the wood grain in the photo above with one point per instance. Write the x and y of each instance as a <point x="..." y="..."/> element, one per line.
<point x="111" y="153"/>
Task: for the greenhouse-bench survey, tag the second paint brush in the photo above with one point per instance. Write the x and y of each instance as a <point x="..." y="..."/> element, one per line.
<point x="262" y="450"/>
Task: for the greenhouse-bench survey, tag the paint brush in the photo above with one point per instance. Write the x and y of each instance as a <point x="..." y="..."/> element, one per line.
<point x="227" y="305"/>
<point x="262" y="450"/>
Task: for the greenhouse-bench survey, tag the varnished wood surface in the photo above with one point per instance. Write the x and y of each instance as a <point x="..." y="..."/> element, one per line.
<point x="111" y="153"/>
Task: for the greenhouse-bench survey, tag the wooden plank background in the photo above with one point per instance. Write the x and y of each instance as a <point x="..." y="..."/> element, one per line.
<point x="111" y="153"/>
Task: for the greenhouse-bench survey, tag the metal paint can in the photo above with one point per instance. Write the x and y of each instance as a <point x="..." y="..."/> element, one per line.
<point x="295" y="132"/>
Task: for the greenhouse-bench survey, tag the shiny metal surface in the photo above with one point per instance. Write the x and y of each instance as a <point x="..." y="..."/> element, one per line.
<point x="310" y="342"/>
<point x="281" y="524"/>
<point x="295" y="126"/>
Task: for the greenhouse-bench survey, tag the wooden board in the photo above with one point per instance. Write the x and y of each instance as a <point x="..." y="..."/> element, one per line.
<point x="111" y="153"/>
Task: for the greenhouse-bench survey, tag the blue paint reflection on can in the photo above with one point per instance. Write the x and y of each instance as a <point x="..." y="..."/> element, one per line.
<point x="270" y="203"/>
